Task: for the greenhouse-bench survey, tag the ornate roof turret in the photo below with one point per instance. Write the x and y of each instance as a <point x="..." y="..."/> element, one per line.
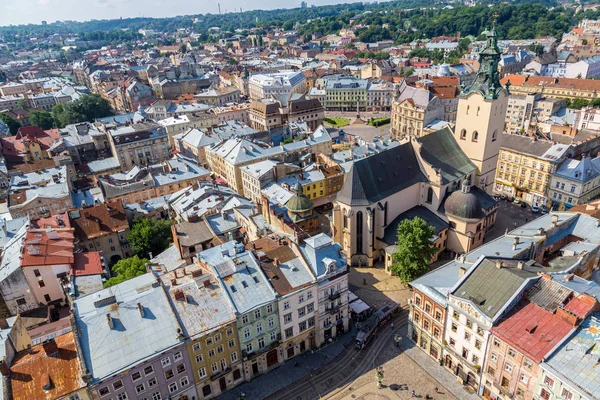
<point x="487" y="81"/>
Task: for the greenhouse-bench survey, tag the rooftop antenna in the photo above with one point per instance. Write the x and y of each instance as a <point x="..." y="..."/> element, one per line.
<point x="219" y="5"/>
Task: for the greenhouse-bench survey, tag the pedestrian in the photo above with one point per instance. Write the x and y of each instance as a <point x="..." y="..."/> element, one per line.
<point x="413" y="393"/>
<point x="436" y="389"/>
<point x="392" y="325"/>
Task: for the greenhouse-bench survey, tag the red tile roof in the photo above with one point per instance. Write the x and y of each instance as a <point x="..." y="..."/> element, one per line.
<point x="47" y="247"/>
<point x="579" y="307"/>
<point x="546" y="81"/>
<point x="89" y="263"/>
<point x="99" y="220"/>
<point x="532" y="330"/>
<point x="54" y="221"/>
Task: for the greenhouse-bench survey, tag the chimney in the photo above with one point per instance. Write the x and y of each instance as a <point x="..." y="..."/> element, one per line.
<point x="499" y="264"/>
<point x="179" y="295"/>
<point x="515" y="243"/>
<point x="541" y="231"/>
<point x="520" y="264"/>
<point x="109" y="319"/>
<point x="276" y="262"/>
<point x="461" y="271"/>
<point x="546" y="276"/>
<point x="206" y="283"/>
<point x="554" y="220"/>
<point x="4" y="370"/>
<point x="173" y="282"/>
<point x="141" y="310"/>
<point x="50" y="348"/>
<point x="569" y="277"/>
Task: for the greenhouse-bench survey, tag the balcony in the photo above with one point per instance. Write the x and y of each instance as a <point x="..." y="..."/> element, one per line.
<point x="333" y="310"/>
<point x="334" y="296"/>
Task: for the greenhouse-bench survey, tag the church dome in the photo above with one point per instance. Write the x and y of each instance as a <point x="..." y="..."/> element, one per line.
<point x="299" y="203"/>
<point x="463" y="204"/>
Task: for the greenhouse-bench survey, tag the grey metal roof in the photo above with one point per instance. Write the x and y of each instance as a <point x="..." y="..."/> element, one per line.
<point x="441" y="151"/>
<point x="200" y="306"/>
<point x="490" y="288"/>
<point x="240" y="276"/>
<point x="575" y="362"/>
<point x="321" y="252"/>
<point x="134" y="337"/>
<point x="381" y="175"/>
<point x="548" y="294"/>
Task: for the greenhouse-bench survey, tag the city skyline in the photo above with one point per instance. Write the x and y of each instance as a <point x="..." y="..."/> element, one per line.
<point x="36" y="11"/>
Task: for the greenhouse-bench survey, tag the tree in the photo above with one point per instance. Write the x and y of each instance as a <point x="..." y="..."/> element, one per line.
<point x="43" y="119"/>
<point x="414" y="249"/>
<point x="87" y="108"/>
<point x="126" y="269"/>
<point x="149" y="235"/>
<point x="183" y="48"/>
<point x="13" y="124"/>
<point x="22" y="104"/>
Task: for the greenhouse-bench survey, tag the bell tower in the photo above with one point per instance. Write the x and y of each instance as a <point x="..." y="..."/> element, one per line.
<point x="480" y="115"/>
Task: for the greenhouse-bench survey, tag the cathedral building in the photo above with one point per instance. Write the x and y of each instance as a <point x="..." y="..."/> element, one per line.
<point x="444" y="177"/>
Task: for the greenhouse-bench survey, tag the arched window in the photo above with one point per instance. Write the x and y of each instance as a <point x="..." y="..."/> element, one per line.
<point x="429" y="195"/>
<point x="475" y="136"/>
<point x="463" y="134"/>
<point x="345" y="218"/>
<point x="359" y="232"/>
<point x="478" y="108"/>
<point x="494" y="136"/>
<point x="385" y="210"/>
<point x="468" y="109"/>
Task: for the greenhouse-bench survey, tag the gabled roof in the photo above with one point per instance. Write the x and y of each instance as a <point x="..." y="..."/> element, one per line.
<point x="381" y="175"/>
<point x="441" y="151"/>
<point x="48" y="247"/>
<point x="99" y="220"/>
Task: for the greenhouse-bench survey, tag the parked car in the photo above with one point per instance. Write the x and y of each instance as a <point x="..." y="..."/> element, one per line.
<point x="516" y="201"/>
<point x="503" y="196"/>
<point x="535" y="209"/>
<point x="523" y="204"/>
<point x="543" y="211"/>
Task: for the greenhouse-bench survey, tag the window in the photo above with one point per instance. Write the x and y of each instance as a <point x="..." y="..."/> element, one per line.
<point x="467" y="336"/>
<point x="287" y="318"/>
<point x="463" y="133"/>
<point x="103" y="391"/>
<point x="218" y="337"/>
<point x="223" y="364"/>
<point x="180" y="368"/>
<point x="140" y="388"/>
<point x="544" y="394"/>
<point x="475" y="136"/>
<point x="196" y="346"/>
<point x="122" y="396"/>
<point x="491" y="371"/>
<point x="438" y="316"/>
<point x="169" y="374"/>
<point x="245" y="319"/>
<point x="211" y="353"/>
<point x="199" y="358"/>
<point x="249" y="347"/>
<point x="206" y="390"/>
<point x="257" y="314"/>
<point x="469" y="324"/>
<point x="289" y="332"/>
<point x="566" y="394"/>
<point x="359" y="232"/>
<point x="135" y="376"/>
<point x="508" y="367"/>
<point x="47" y="298"/>
<point x="494" y="357"/>
<point x="261" y="343"/>
<point x="152" y="382"/>
<point x="309" y="295"/>
<point x="202" y="372"/>
<point x="234" y="357"/>
<point x="36" y="272"/>
<point x="527" y="363"/>
<point x="286" y="305"/>
<point x="524" y="378"/>
<point x="269" y="309"/>
<point x="148" y="370"/>
<point x="209" y="341"/>
<point x="454" y="327"/>
<point x="301" y="298"/>
<point x="301" y="312"/>
<point x="548" y="381"/>
<point x="229" y="331"/>
<point x="165" y="362"/>
<point x="475" y="359"/>
<point x="310" y="307"/>
<point x="118" y="385"/>
<point x="511" y="353"/>
<point x="271" y="322"/>
<point x="496" y="343"/>
<point x="247" y="333"/>
<point x="41" y="283"/>
<point x="478" y="344"/>
<point x="480" y="331"/>
<point x="214" y="367"/>
<point x="429" y="195"/>
<point x="177" y="356"/>
<point x="231" y="343"/>
<point x="172" y="387"/>
<point x="452" y="342"/>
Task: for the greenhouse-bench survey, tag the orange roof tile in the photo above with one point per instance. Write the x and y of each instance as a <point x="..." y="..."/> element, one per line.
<point x="89" y="263"/>
<point x="532" y="330"/>
<point x="99" y="220"/>
<point x="47" y="247"/>
<point x="31" y="370"/>
<point x="546" y="81"/>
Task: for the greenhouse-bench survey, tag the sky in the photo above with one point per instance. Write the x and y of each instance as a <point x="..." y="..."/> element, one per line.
<point x="17" y="12"/>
